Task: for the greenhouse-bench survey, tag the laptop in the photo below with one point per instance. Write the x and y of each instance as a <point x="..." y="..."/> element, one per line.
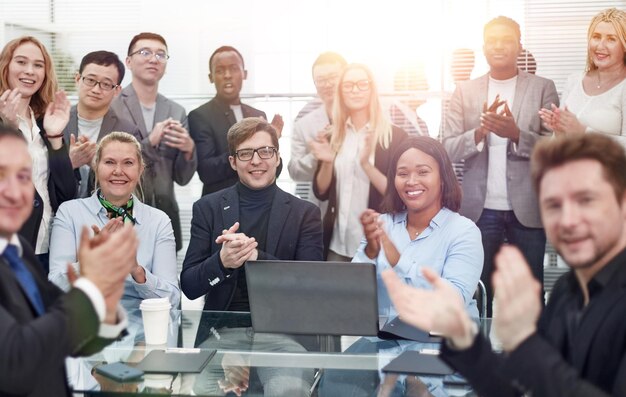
<point x="328" y="298"/>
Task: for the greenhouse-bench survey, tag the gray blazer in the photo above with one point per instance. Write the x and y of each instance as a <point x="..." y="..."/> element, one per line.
<point x="110" y="122"/>
<point x="164" y="165"/>
<point x="531" y="94"/>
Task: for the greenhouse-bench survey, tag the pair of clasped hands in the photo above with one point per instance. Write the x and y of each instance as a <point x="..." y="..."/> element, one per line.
<point x="497" y="118"/>
<point x="237" y="248"/>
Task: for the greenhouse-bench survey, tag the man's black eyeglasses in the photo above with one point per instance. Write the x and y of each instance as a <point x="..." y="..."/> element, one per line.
<point x="265" y="152"/>
<point x="105" y="85"/>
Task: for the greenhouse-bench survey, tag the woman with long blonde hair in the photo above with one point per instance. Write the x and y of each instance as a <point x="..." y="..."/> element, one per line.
<point x="595" y="100"/>
<point x="353" y="160"/>
<point x="29" y="100"/>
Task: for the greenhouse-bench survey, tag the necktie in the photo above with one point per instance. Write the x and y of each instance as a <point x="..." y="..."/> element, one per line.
<point x="25" y="278"/>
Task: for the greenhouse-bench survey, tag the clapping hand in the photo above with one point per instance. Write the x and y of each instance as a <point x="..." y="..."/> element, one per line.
<point x="82" y="151"/>
<point x="481" y="132"/>
<point x="366" y="151"/>
<point x="320" y="147"/>
<point x="278" y="124"/>
<point x="549" y="118"/>
<point x="106" y="260"/>
<point x="500" y="123"/>
<point x="237" y="248"/>
<point x="440" y="309"/>
<point x="377" y="238"/>
<point x="176" y="136"/>
<point x="111" y="227"/>
<point x="57" y="114"/>
<point x="9" y="102"/>
<point x="518" y="295"/>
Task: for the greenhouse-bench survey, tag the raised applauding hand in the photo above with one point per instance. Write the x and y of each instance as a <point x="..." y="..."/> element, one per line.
<point x="9" y="103"/>
<point x="438" y="310"/>
<point x="320" y="147"/>
<point x="57" y="115"/>
<point x="278" y="123"/>
<point x="518" y="295"/>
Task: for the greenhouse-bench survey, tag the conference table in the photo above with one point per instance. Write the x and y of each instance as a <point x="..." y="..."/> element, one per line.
<point x="260" y="364"/>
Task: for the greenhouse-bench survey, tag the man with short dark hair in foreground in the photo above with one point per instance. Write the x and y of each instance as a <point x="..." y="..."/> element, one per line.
<point x="577" y="345"/>
<point x="40" y="325"/>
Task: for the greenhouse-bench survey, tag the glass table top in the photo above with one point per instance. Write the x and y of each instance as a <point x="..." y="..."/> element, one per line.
<point x="261" y="364"/>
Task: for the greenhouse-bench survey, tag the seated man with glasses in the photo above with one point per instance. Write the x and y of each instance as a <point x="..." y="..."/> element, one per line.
<point x="91" y="119"/>
<point x="169" y="151"/>
<point x="254" y="219"/>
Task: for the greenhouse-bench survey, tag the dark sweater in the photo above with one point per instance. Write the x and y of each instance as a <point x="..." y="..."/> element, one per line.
<point x="254" y="209"/>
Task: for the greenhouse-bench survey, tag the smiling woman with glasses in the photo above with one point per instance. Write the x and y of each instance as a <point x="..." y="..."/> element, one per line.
<point x="352" y="161"/>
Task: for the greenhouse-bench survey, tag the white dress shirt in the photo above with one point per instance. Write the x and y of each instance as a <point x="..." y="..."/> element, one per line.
<point x="89" y="288"/>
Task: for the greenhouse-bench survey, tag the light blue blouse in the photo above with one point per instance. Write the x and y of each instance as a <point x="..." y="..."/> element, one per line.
<point x="156" y="252"/>
<point x="451" y="245"/>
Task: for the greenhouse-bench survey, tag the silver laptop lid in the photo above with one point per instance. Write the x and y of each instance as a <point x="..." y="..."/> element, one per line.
<point x="331" y="298"/>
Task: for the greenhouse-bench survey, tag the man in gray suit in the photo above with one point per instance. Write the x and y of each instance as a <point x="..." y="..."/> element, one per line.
<point x="169" y="151"/>
<point x="493" y="124"/>
<point x="91" y="119"/>
<point x="326" y="73"/>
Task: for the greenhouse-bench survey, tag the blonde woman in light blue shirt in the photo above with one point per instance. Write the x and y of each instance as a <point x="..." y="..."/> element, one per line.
<point x="118" y="169"/>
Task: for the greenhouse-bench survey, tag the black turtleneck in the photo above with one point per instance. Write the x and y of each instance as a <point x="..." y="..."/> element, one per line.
<point x="254" y="215"/>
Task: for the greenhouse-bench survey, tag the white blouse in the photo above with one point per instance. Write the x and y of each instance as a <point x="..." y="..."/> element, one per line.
<point x="353" y="187"/>
<point x="39" y="154"/>
<point x="602" y="113"/>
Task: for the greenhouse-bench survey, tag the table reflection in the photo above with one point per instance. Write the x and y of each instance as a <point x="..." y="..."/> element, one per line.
<point x="261" y="364"/>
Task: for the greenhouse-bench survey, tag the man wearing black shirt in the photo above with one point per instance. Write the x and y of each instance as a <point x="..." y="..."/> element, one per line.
<point x="254" y="219"/>
<point x="577" y="346"/>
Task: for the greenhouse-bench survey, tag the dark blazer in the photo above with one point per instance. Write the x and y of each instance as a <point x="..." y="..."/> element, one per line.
<point x="61" y="187"/>
<point x="382" y="157"/>
<point x="555" y="361"/>
<point x="164" y="165"/>
<point x="294" y="233"/>
<point x="110" y="122"/>
<point x="208" y="125"/>
<point x="33" y="349"/>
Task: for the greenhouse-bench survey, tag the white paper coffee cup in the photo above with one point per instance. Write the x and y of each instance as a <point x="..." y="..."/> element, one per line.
<point x="156" y="319"/>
